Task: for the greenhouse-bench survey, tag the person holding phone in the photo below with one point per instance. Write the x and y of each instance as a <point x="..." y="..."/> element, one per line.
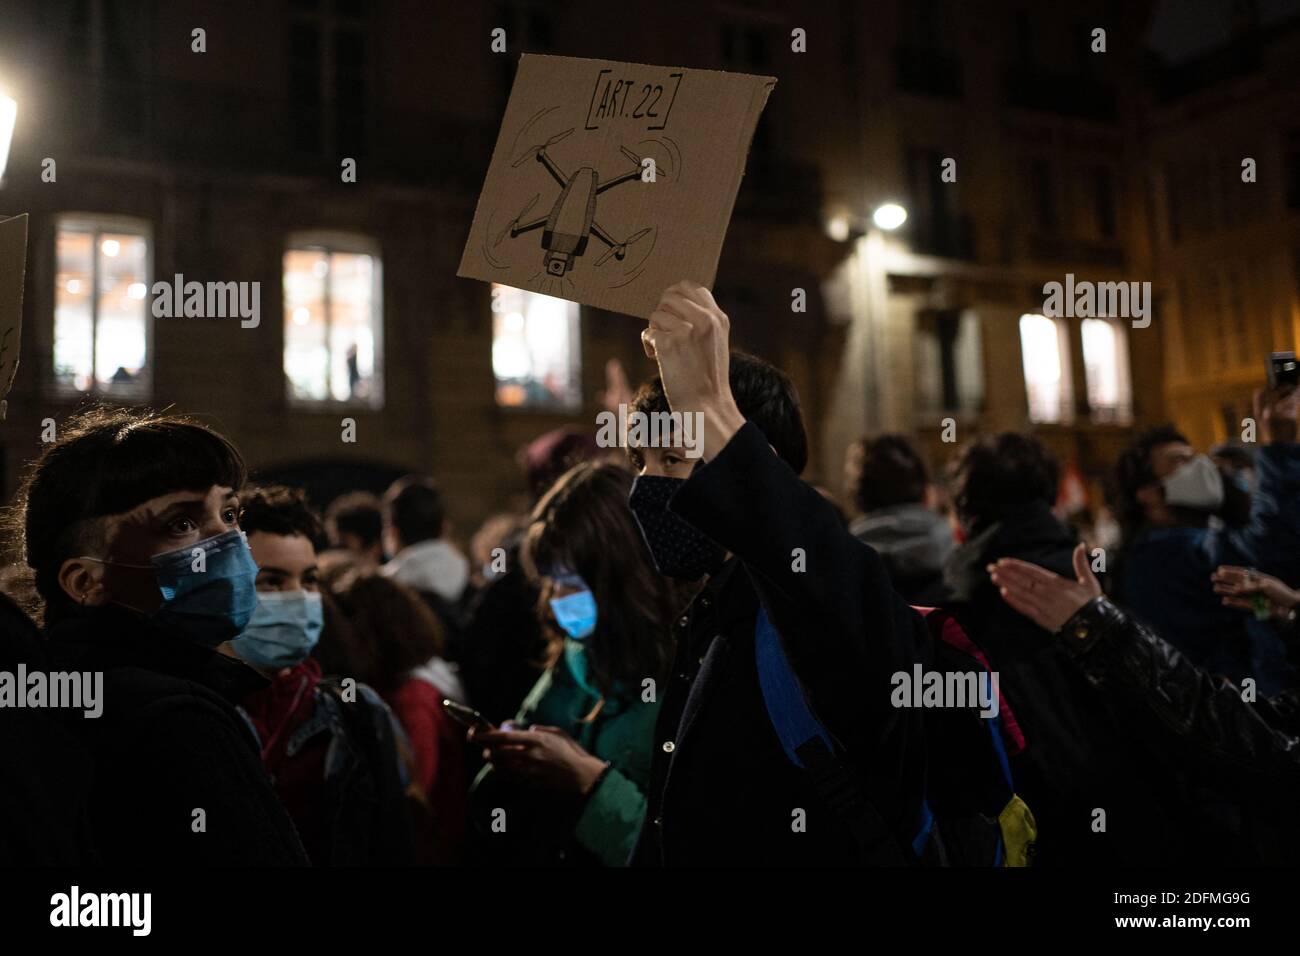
<point x="570" y="771"/>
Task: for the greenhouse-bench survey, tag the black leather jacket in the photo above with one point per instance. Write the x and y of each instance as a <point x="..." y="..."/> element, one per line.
<point x="1248" y="751"/>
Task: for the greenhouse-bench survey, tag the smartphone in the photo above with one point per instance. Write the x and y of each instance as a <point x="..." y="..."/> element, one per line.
<point x="1283" y="371"/>
<point x="467" y="715"/>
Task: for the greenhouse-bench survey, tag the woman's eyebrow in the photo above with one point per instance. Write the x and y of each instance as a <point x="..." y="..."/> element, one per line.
<point x="177" y="509"/>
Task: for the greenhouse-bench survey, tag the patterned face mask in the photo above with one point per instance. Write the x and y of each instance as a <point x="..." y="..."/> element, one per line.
<point x="678" y="549"/>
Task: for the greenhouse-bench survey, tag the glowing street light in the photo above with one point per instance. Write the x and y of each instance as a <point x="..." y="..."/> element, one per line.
<point x="889" y="216"/>
<point x="8" y="114"/>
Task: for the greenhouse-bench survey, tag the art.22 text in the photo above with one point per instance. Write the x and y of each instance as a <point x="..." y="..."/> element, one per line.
<point x="636" y="99"/>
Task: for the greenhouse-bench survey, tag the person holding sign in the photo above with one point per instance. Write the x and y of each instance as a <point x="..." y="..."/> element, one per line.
<point x="770" y="548"/>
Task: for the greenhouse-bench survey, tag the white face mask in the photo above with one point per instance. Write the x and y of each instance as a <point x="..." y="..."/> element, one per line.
<point x="1196" y="484"/>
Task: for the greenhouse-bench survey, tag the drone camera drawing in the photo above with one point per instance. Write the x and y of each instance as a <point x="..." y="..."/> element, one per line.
<point x="610" y="181"/>
<point x="571" y="222"/>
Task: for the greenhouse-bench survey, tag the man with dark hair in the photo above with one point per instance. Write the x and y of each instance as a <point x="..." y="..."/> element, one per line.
<point x="996" y="479"/>
<point x="334" y="758"/>
<point x="1172" y="502"/>
<point x="776" y="560"/>
<point x="414" y="520"/>
<point x="887" y="481"/>
<point x="771" y="403"/>
<point x="355" y="523"/>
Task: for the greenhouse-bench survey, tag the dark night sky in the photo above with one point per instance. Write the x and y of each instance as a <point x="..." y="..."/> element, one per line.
<point x="1183" y="28"/>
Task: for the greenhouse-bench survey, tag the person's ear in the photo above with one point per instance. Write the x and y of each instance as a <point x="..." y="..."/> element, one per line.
<point x="83" y="581"/>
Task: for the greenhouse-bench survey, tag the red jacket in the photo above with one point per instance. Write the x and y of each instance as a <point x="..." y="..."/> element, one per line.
<point x="438" y="743"/>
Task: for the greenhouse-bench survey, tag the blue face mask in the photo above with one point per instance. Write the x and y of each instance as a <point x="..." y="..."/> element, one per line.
<point x="210" y="600"/>
<point x="575" y="613"/>
<point x="285" y="627"/>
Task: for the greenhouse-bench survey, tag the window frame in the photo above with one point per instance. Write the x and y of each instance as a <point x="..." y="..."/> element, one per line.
<point x="97" y="224"/>
<point x="575" y="362"/>
<point x="348" y="243"/>
<point x="1065" y="386"/>
<point x="1122" y="412"/>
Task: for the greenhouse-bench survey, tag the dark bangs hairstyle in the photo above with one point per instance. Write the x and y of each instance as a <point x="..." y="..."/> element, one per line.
<point x="583" y="525"/>
<point x="106" y="461"/>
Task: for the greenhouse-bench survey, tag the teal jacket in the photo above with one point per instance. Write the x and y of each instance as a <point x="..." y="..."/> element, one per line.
<point x="621" y="733"/>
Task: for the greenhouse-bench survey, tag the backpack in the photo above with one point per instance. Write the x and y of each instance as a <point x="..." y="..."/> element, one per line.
<point x="379" y="808"/>
<point x="970" y="813"/>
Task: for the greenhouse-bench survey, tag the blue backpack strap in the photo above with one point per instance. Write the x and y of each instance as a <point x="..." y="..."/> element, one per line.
<point x="810" y="747"/>
<point x="787" y="707"/>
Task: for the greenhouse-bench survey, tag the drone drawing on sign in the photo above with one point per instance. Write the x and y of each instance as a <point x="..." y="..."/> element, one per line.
<point x="568" y="226"/>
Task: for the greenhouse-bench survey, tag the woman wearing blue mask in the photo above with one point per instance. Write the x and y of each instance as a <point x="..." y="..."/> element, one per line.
<point x="130" y="528"/>
<point x="570" y="770"/>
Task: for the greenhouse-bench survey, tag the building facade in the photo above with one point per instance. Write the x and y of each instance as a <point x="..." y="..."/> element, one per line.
<point x="371" y="358"/>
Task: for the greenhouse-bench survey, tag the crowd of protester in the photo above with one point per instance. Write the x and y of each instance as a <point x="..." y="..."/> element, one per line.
<point x="667" y="660"/>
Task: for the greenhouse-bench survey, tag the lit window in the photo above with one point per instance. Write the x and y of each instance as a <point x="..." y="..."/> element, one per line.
<point x="333" y="320"/>
<point x="1105" y="361"/>
<point x="535" y="350"/>
<point x="1047" y="368"/>
<point x="101" y="307"/>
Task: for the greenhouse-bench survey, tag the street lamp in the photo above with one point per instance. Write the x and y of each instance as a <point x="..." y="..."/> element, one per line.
<point x="8" y="113"/>
<point x="889" y="216"/>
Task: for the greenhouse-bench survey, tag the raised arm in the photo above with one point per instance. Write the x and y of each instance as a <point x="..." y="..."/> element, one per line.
<point x="1186" y="708"/>
<point x="1203" y="716"/>
<point x="845" y="630"/>
<point x="1271" y="541"/>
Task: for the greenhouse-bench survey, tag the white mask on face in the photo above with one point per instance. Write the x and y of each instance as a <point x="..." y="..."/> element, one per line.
<point x="1196" y="484"/>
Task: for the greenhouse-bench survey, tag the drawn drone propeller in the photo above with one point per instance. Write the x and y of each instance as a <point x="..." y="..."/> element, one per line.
<point x="572" y="217"/>
<point x="532" y="153"/>
<point x="619" y="250"/>
<point x="514" y="223"/>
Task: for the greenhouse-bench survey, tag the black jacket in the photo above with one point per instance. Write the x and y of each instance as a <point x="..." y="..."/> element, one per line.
<point x="1079" y="756"/>
<point x="44" y="772"/>
<point x="1248" y="751"/>
<point x="722" y="791"/>
<point x="168" y="743"/>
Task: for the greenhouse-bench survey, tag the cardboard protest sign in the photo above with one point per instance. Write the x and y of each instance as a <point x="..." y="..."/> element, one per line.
<point x="611" y="181"/>
<point x="13" y="265"/>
